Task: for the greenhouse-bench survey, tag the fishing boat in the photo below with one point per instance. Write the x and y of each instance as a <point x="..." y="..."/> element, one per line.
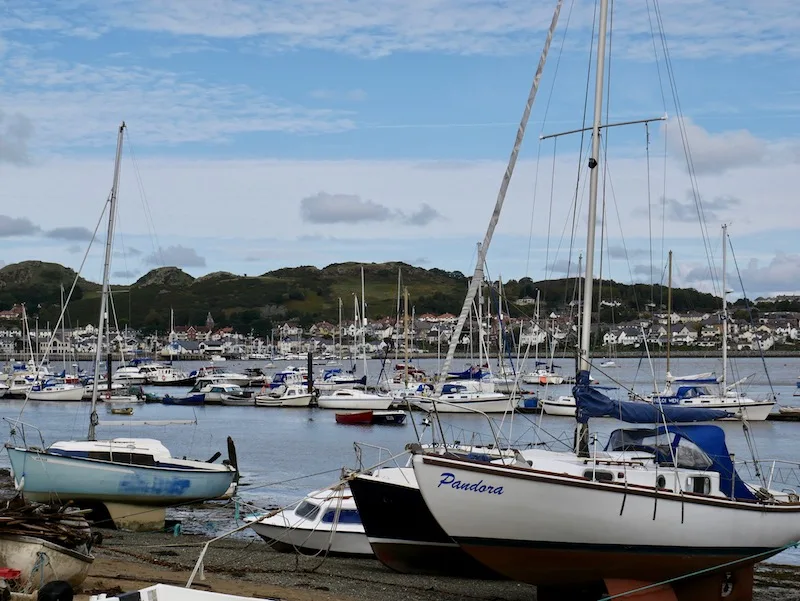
<point x="659" y="502"/>
<point x="390" y="417"/>
<point x="135" y="479"/>
<point x="326" y="521"/>
<point x="291" y="395"/>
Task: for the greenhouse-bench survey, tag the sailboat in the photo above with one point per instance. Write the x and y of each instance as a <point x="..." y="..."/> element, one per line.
<point x="135" y="479"/>
<point x="696" y="390"/>
<point x="350" y="397"/>
<point x="658" y="503"/>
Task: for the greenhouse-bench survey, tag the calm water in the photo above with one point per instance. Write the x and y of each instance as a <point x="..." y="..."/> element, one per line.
<point x="275" y="445"/>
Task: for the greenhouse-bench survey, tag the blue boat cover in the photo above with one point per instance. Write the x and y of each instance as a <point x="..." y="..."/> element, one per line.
<point x="708" y="438"/>
<point x="590" y="402"/>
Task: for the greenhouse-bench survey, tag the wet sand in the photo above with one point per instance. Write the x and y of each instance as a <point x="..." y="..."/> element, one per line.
<point x="248" y="567"/>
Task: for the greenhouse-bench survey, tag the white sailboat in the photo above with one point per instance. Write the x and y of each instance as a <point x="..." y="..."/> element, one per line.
<point x="134" y="478"/>
<point x="705" y="390"/>
<point x="657" y="503"/>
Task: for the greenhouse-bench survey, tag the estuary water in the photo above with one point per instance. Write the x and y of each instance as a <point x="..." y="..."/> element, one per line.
<point x="285" y="453"/>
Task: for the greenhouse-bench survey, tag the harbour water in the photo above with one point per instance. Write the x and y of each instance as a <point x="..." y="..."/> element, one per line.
<point x="284" y="453"/>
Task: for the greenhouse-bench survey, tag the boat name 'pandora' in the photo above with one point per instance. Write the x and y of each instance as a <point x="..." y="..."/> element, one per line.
<point x="479" y="486"/>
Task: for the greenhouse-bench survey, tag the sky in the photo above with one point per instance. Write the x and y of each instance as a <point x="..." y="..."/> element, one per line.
<point x="271" y="133"/>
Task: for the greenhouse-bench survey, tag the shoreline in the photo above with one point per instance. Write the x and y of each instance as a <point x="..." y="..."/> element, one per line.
<point x="126" y="561"/>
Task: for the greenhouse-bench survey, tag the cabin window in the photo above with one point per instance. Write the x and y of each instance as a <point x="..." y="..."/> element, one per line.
<point x="100" y="455"/>
<point x="307" y="510"/>
<point x="700" y="485"/>
<point x="346" y="516"/>
<point x="599" y="475"/>
<point x="661" y="482"/>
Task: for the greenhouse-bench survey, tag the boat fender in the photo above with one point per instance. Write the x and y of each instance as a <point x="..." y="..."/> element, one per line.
<point x="19" y="484"/>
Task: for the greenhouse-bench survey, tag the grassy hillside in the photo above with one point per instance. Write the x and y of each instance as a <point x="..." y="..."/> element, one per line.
<point x="307" y="293"/>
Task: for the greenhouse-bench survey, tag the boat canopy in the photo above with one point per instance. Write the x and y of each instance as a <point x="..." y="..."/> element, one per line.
<point x="591" y="402"/>
<point x="695" y="446"/>
<point x="472" y="373"/>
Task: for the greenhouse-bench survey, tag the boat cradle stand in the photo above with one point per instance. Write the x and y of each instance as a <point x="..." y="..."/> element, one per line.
<point x="136" y="518"/>
<point x="736" y="585"/>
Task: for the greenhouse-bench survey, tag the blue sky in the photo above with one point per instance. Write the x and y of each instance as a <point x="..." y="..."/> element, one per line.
<point x="275" y="133"/>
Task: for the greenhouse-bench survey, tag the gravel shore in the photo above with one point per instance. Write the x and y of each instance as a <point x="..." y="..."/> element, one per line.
<point x="248" y="567"/>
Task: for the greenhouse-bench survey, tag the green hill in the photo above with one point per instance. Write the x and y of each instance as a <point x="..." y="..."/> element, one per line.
<point x="306" y="293"/>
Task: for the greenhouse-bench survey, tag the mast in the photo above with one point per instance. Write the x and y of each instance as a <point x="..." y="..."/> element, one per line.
<point x="112" y="207"/>
<point x="669" y="312"/>
<point x="397" y="316"/>
<point x="501" y="196"/>
<point x="339" y="349"/>
<point x="405" y="337"/>
<point x="724" y="309"/>
<point x="363" y="323"/>
<point x="63" y="334"/>
<point x="582" y="433"/>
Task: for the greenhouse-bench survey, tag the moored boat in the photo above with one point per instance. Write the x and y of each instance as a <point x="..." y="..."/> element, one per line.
<point x="325" y="521"/>
<point x="354" y="399"/>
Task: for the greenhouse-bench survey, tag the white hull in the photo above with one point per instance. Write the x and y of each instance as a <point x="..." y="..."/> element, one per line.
<point x="346" y="543"/>
<point x="562" y="406"/>
<point x="235" y="402"/>
<point x="628" y="522"/>
<point x="754" y="411"/>
<point x="24" y="553"/>
<point x="295" y="401"/>
<point x="165" y="592"/>
<point x="120" y="399"/>
<point x="378" y="403"/>
<point x="61" y="394"/>
<point x="449" y="405"/>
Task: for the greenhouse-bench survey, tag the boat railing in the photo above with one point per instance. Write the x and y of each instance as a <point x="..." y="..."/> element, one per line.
<point x="18" y="429"/>
<point x="462" y="407"/>
<point x="772" y="472"/>
<point x="384" y="455"/>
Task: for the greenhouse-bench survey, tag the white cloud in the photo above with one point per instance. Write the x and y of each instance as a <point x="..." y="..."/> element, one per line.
<point x="177" y="256"/>
<point x="362" y="27"/>
<point x="324" y="208"/>
<point x="717" y="152"/>
<point x="70" y="233"/>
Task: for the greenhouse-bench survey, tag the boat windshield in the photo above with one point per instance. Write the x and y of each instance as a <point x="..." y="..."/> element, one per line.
<point x="307" y="510"/>
<point x="662" y="446"/>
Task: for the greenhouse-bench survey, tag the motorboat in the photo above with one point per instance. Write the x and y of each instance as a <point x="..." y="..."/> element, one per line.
<point x="157" y="374"/>
<point x="218" y="374"/>
<point x="238" y="399"/>
<point x="326" y="521"/>
<point x="289" y="375"/>
<point x="3" y="389"/>
<point x="215" y="394"/>
<point x="292" y="395"/>
<point x="354" y="399"/>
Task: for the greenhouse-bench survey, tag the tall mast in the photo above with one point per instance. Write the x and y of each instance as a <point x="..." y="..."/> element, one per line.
<point x="339" y="350"/>
<point x="397" y="317"/>
<point x="63" y="334"/>
<point x="582" y="432"/>
<point x="594" y="161"/>
<point x="363" y="323"/>
<point x="501" y="197"/>
<point x="405" y="337"/>
<point x="112" y="207"/>
<point x="669" y="311"/>
<point x="724" y="308"/>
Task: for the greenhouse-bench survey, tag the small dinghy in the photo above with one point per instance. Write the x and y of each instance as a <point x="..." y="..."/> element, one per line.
<point x="366" y="418"/>
<point x="189" y="399"/>
<point x="122" y="410"/>
<point x="165" y="592"/>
